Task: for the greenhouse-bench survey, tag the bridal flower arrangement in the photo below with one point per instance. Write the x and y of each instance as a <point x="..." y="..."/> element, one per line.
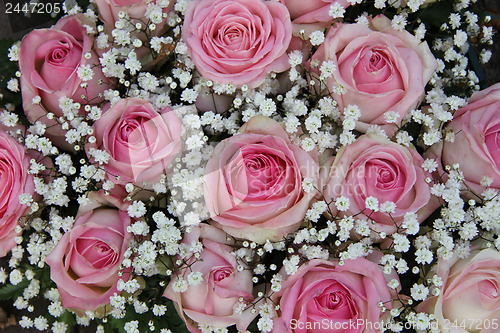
<point x="252" y="166"/>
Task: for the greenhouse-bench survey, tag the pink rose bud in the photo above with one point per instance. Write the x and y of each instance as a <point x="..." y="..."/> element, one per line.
<point x="49" y="60"/>
<point x="237" y="41"/>
<point x="324" y="296"/>
<point x="86" y="260"/>
<point x="253" y="182"/>
<point x="142" y="143"/>
<point x="375" y="167"/>
<point x="212" y="300"/>
<point x="379" y="69"/>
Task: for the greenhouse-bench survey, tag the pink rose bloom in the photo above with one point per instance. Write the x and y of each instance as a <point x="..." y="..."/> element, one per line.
<point x="373" y="166"/>
<point x="476" y="147"/>
<point x="136" y="9"/>
<point x="141" y="142"/>
<point x="379" y="68"/>
<point x="212" y="301"/>
<point x="253" y="182"/>
<point x="237" y="41"/>
<point x="323" y="292"/>
<point x="48" y="61"/>
<point x="312" y="11"/>
<point x="14" y="181"/>
<point x="85" y="262"/>
<point x="470" y="298"/>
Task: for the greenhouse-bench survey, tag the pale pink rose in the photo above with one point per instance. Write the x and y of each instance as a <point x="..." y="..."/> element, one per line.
<point x="379" y="68"/>
<point x="373" y="166"/>
<point x="323" y="295"/>
<point x="470" y="296"/>
<point x="212" y="301"/>
<point x="312" y="11"/>
<point x="253" y="182"/>
<point x="136" y="9"/>
<point x="48" y="61"/>
<point x="14" y="181"/>
<point x="476" y="147"/>
<point x="237" y="41"/>
<point x="142" y="143"/>
<point x="85" y="262"/>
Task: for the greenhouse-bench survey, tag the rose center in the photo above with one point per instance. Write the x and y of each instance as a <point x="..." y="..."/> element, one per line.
<point x="58" y="55"/>
<point x="337" y="302"/>
<point x="376" y="62"/>
<point x="222" y="273"/>
<point x="488" y="289"/>
<point x="132" y="130"/>
<point x="96" y="252"/>
<point x="385" y="176"/>
<point x="263" y="171"/>
<point x="382" y="174"/>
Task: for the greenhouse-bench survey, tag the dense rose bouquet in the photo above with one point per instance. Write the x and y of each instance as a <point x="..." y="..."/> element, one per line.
<point x="251" y="165"/>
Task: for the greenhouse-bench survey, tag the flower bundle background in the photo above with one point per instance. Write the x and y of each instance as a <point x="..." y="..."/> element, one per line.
<point x="249" y="165"/>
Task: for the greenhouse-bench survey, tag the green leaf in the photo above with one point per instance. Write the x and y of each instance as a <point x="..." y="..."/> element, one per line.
<point x="12" y="291"/>
<point x="68" y="318"/>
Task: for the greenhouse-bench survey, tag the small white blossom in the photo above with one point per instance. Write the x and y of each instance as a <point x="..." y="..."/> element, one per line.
<point x="136" y="209"/>
<point x="336" y="10"/>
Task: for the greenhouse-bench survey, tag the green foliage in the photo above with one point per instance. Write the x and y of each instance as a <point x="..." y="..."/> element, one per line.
<point x="13" y="291"/>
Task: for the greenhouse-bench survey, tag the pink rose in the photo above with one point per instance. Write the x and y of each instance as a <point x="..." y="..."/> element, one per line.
<point x="85" y="262"/>
<point x="476" y="146"/>
<point x="253" y="182"/>
<point x="136" y="9"/>
<point x="212" y="301"/>
<point x="141" y="142"/>
<point x="49" y="60"/>
<point x="312" y="11"/>
<point x="379" y="68"/>
<point x="14" y="181"/>
<point x="470" y="299"/>
<point x="237" y="41"/>
<point x="373" y="166"/>
<point x="323" y="296"/>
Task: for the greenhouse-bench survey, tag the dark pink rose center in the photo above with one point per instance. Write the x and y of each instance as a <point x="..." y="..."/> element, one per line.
<point x="488" y="289"/>
<point x="377" y="67"/>
<point x="264" y="171"/>
<point x="376" y="62"/>
<point x="222" y="273"/>
<point x="333" y="302"/>
<point x="384" y="175"/>
<point x="56" y="61"/>
<point x="96" y="252"/>
<point x="135" y="131"/>
<point x="339" y="301"/>
<point x="58" y="55"/>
